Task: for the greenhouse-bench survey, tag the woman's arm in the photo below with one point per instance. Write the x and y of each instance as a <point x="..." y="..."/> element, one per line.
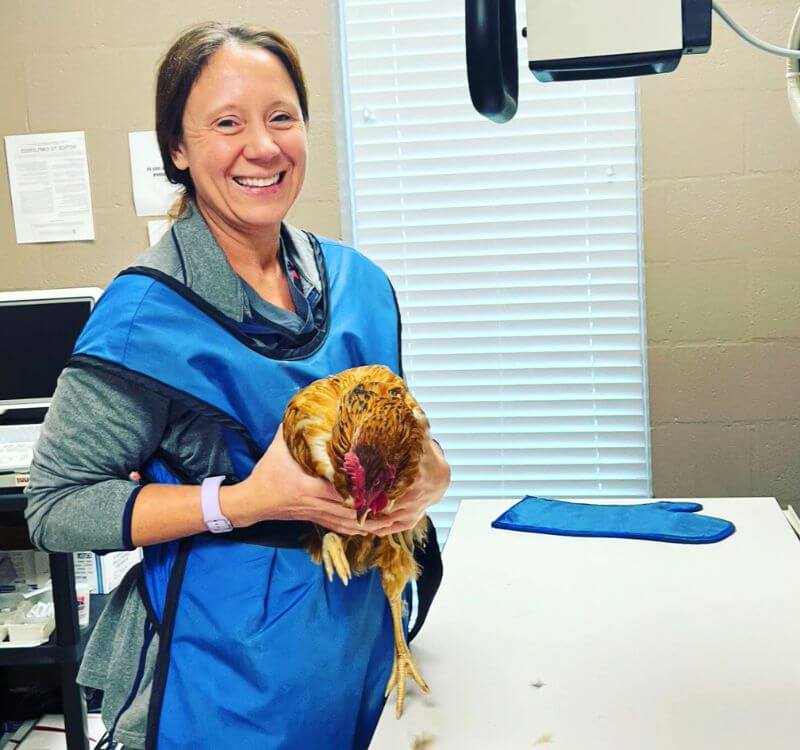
<point x="277" y="490"/>
<point x="97" y="430"/>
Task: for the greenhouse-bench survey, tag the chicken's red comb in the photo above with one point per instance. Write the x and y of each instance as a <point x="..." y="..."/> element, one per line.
<point x="355" y="471"/>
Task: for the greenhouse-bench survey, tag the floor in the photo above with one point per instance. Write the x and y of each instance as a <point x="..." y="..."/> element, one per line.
<point x="48" y="734"/>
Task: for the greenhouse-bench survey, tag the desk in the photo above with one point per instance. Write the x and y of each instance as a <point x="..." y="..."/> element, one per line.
<point x="640" y="645"/>
<point x="65" y="647"/>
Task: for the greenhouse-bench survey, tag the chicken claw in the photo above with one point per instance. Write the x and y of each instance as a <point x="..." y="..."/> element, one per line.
<point x="403" y="665"/>
<point x="334" y="557"/>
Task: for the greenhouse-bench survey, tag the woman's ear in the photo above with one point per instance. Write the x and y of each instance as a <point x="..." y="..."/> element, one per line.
<point x="179" y="157"/>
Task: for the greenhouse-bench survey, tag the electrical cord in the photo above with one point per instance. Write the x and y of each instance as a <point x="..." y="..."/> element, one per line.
<point x="793" y="72"/>
<point x="748" y="37"/>
<point x="792" y="53"/>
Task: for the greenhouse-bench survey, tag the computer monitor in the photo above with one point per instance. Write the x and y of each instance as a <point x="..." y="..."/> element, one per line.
<point x="38" y="330"/>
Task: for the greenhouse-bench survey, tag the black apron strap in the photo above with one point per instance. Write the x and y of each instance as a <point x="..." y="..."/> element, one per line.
<point x="429" y="559"/>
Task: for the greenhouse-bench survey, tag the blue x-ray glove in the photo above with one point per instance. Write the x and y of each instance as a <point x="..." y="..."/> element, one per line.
<point x="662" y="521"/>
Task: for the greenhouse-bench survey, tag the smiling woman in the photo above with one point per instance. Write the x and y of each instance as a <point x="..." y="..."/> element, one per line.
<point x="267" y="60"/>
<point x="233" y="639"/>
<point x="231" y="118"/>
<point x="260" y="139"/>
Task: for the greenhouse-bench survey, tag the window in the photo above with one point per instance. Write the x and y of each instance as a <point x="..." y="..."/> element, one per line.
<point x="515" y="253"/>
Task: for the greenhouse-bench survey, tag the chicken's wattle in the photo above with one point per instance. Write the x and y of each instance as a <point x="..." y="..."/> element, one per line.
<point x="374" y="499"/>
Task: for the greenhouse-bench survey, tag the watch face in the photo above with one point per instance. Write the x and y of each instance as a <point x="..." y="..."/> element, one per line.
<point x="219" y="525"/>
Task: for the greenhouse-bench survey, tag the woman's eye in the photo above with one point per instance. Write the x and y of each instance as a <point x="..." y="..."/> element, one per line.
<point x="281" y="118"/>
<point x="226" y="120"/>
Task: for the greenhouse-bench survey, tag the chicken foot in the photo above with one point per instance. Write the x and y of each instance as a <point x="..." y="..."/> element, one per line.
<point x="334" y="558"/>
<point x="403" y="665"/>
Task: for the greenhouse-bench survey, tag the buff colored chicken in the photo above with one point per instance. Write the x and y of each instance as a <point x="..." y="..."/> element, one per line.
<point x="364" y="432"/>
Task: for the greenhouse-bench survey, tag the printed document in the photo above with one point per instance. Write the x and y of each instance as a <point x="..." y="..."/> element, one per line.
<point x="49" y="179"/>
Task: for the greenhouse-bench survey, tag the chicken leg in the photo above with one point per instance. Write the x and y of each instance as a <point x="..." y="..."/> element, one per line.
<point x="403" y="665"/>
<point x="394" y="578"/>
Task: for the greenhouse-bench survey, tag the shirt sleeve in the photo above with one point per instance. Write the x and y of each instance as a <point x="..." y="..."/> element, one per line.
<point x="99" y="428"/>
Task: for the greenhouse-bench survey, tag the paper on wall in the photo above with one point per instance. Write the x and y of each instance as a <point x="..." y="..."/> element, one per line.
<point x="152" y="193"/>
<point x="156" y="229"/>
<point x="49" y="180"/>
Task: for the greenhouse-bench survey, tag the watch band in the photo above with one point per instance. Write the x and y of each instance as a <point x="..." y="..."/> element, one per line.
<point x="216" y="522"/>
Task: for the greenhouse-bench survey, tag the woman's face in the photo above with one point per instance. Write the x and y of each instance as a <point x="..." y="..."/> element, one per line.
<point x="242" y="122"/>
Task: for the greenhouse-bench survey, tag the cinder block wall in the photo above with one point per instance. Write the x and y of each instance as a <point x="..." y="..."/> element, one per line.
<point x="721" y="167"/>
<point x="90" y="65"/>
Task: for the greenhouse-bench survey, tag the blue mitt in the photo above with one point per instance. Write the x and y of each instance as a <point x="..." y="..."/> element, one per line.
<point x="662" y="521"/>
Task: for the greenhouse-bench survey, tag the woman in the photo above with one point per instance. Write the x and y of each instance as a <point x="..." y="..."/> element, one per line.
<point x="224" y="639"/>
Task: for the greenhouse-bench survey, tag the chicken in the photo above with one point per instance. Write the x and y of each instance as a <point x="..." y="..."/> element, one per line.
<point x="364" y="432"/>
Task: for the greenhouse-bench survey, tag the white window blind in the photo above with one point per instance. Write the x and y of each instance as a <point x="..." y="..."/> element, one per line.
<point x="515" y="253"/>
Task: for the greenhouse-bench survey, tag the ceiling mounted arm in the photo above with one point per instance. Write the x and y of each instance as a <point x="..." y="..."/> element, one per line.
<point x="492" y="71"/>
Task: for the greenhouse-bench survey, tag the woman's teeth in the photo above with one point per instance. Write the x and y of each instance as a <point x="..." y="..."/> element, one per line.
<point x="259" y="182"/>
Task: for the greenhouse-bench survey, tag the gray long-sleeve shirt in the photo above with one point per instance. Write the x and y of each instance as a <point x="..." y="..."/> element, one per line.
<point x="101" y="427"/>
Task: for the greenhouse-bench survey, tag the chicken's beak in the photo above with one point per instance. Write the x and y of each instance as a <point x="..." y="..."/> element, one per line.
<point x="362" y="517"/>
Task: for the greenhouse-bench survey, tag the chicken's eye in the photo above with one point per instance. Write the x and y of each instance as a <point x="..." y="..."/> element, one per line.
<point x="396" y="392"/>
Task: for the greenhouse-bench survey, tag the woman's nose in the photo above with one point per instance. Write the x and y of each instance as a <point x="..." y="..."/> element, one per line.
<point x="260" y="145"/>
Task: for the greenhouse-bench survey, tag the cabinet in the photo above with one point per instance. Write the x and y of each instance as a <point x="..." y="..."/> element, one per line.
<point x="66" y="645"/>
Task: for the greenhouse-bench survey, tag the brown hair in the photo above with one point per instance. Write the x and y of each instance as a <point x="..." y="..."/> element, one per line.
<point x="180" y="68"/>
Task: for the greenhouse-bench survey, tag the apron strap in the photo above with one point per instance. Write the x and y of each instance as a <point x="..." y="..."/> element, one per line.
<point x="429" y="559"/>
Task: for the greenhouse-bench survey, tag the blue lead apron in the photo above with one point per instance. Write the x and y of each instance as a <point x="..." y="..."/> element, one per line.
<point x="257" y="650"/>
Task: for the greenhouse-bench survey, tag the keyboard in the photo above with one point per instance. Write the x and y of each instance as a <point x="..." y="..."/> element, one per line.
<point x="16" y="446"/>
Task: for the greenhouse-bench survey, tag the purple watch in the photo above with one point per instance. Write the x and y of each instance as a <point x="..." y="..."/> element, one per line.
<point x="209" y="500"/>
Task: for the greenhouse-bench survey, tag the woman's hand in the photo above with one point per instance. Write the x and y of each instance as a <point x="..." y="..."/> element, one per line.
<point x="433" y="479"/>
<point x="279" y="489"/>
